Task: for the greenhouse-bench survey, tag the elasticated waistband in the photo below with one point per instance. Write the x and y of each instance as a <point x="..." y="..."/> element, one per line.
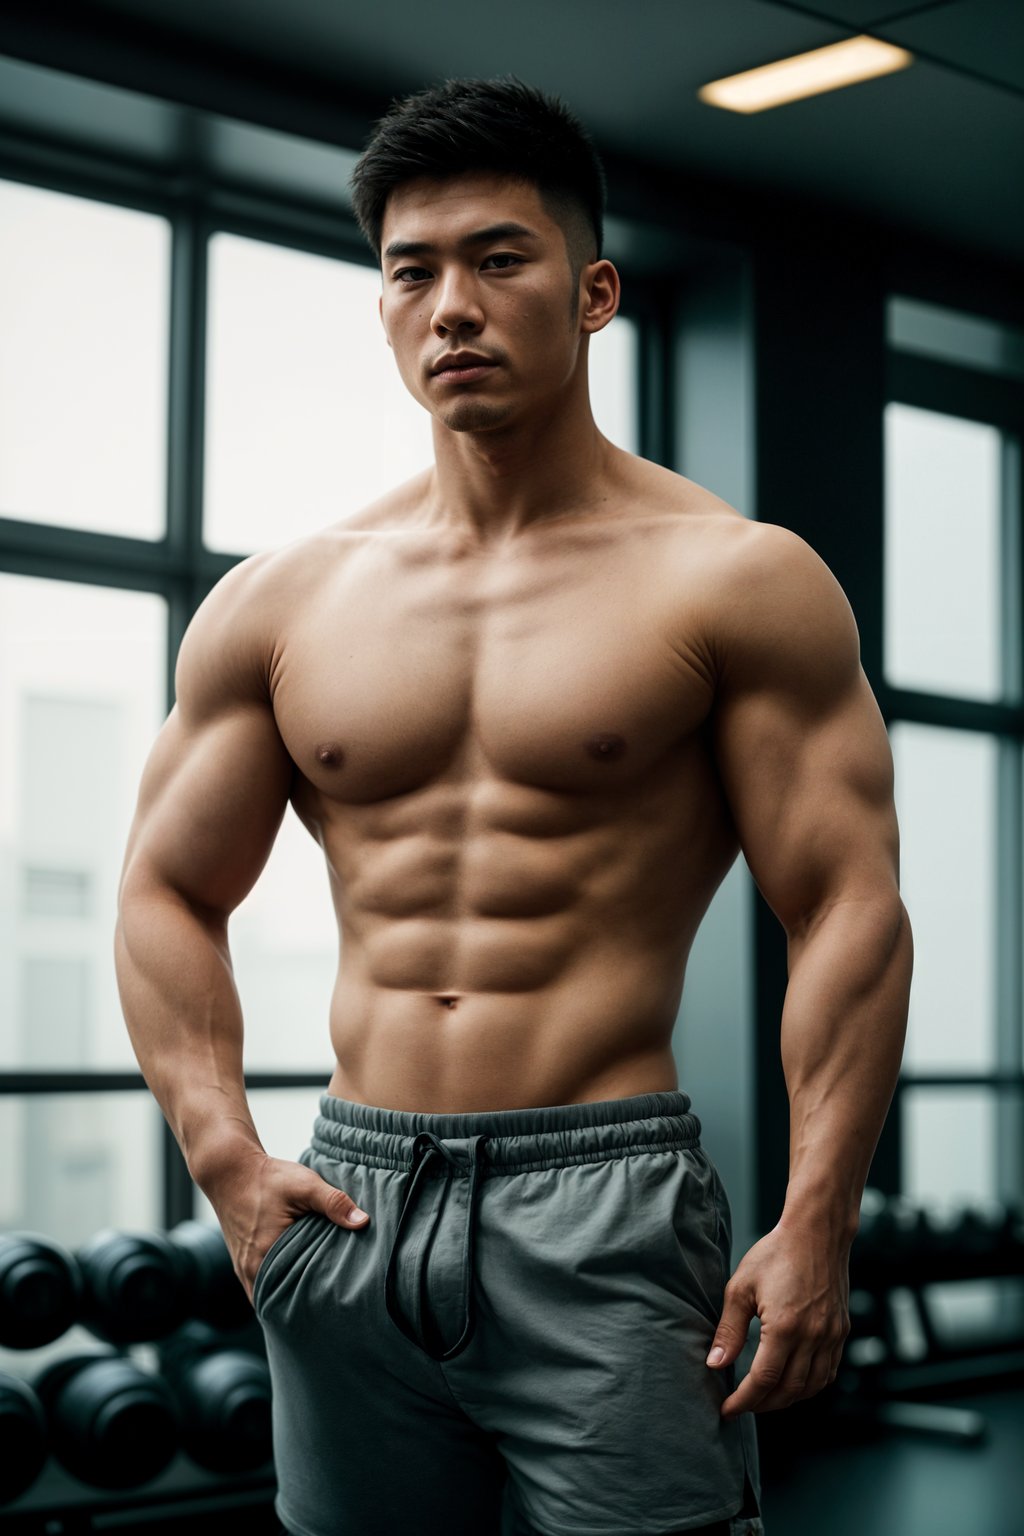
<point x="550" y="1136"/>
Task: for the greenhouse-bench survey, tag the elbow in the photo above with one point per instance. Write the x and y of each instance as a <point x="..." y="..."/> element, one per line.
<point x="885" y="906"/>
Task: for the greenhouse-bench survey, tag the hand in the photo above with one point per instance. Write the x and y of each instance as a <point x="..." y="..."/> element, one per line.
<point x="797" y="1281"/>
<point x="261" y="1196"/>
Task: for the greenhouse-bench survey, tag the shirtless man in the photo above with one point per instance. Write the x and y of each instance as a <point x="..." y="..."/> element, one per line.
<point x="531" y="704"/>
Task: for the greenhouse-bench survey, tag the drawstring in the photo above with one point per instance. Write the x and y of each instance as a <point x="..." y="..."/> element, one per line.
<point x="424" y="1147"/>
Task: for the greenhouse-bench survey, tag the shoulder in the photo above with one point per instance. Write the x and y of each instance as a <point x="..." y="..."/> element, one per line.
<point x="246" y="615"/>
<point x="780" y="616"/>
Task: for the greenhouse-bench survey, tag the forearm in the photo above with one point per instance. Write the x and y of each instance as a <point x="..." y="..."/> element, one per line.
<point x="843" y="1029"/>
<point x="184" y="1018"/>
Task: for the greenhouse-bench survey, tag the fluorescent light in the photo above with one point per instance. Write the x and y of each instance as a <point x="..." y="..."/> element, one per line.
<point x="806" y="74"/>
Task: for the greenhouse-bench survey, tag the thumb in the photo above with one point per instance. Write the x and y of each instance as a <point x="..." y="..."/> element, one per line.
<point x="338" y="1207"/>
<point x="731" y="1333"/>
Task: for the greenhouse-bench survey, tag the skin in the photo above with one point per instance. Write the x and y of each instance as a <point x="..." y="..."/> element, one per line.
<point x="531" y="704"/>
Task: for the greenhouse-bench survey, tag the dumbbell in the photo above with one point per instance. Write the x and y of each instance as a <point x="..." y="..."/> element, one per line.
<point x="893" y="1237"/>
<point x="223" y="1394"/>
<point x="40" y="1290"/>
<point x="23" y="1440"/>
<point x="111" y="1424"/>
<point x="218" y="1296"/>
<point x="136" y="1286"/>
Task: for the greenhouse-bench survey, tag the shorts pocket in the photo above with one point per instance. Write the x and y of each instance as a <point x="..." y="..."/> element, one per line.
<point x="285" y="1239"/>
<point x="698" y="1233"/>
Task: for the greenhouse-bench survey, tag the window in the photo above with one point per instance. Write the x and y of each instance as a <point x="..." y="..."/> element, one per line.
<point x="83" y="362"/>
<point x="953" y="699"/>
<point x="943" y="526"/>
<point x="83" y="678"/>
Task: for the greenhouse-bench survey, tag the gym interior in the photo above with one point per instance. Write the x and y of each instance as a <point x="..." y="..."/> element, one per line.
<point x="822" y="320"/>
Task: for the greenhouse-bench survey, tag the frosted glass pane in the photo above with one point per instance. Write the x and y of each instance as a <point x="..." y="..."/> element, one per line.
<point x="942" y="553"/>
<point x="75" y="1163"/>
<point x="284" y="946"/>
<point x="82" y="695"/>
<point x="307" y="417"/>
<point x="84" y="320"/>
<point x="613" y="382"/>
<point x="945" y="790"/>
<point x="949" y="1144"/>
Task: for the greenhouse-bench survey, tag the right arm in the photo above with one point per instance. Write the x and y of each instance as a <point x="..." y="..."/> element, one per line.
<point x="211" y="801"/>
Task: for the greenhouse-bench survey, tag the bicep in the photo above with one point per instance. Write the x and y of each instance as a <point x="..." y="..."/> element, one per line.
<point x="215" y="786"/>
<point x="800" y="744"/>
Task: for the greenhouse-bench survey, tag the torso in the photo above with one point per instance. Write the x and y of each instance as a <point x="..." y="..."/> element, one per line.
<point x="506" y="759"/>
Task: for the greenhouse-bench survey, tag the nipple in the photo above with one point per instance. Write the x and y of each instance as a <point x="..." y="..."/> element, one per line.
<point x="607" y="747"/>
<point x="330" y="754"/>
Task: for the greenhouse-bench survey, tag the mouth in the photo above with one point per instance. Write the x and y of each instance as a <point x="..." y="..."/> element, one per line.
<point x="466" y="374"/>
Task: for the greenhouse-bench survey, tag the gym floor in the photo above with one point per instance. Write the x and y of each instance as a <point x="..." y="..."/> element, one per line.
<point x="900" y="1483"/>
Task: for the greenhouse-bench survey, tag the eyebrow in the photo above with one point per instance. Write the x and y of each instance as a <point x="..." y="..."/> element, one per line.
<point x="506" y="231"/>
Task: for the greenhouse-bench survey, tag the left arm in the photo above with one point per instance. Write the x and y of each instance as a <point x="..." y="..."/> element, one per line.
<point x="806" y="766"/>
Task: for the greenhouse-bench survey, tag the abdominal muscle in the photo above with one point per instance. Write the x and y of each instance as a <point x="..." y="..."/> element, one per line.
<point x="485" y="977"/>
<point x="457" y="1052"/>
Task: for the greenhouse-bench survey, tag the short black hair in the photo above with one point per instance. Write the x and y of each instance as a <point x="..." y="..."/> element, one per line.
<point x="501" y="126"/>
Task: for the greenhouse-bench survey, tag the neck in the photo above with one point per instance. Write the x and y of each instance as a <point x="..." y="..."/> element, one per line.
<point x="488" y="485"/>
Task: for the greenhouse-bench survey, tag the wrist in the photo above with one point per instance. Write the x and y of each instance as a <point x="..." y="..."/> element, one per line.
<point x="820" y="1211"/>
<point x="222" y="1160"/>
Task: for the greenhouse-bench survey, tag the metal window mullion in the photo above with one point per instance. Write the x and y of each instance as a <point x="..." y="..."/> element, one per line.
<point x="1008" y="1109"/>
<point x="186" y="404"/>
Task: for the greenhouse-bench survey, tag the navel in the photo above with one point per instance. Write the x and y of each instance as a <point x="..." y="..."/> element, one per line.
<point x="330" y="754"/>
<point x="607" y="748"/>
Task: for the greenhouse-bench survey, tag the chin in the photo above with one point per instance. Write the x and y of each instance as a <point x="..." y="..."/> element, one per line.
<point x="475" y="416"/>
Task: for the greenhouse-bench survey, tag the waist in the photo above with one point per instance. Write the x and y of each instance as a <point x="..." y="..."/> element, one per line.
<point x="533" y="1136"/>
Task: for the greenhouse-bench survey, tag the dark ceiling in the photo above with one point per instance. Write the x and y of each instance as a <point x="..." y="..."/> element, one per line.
<point x="936" y="149"/>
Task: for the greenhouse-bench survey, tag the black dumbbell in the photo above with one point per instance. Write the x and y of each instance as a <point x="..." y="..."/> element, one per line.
<point x="986" y="1227"/>
<point x="223" y="1393"/>
<point x="902" y="1237"/>
<point x="218" y="1296"/>
<point x="136" y="1286"/>
<point x="23" y="1441"/>
<point x="111" y="1424"/>
<point x="40" y="1290"/>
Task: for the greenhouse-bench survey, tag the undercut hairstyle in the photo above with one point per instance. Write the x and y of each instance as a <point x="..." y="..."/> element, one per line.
<point x="499" y="126"/>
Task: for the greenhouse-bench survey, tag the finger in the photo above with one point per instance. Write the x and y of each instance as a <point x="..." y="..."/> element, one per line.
<point x="804" y="1366"/>
<point x="731" y="1333"/>
<point x="823" y="1370"/>
<point x="824" y="1377"/>
<point x="766" y="1372"/>
<point x="821" y="1375"/>
<point x="338" y="1206"/>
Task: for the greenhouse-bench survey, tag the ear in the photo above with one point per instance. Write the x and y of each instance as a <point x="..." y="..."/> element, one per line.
<point x="380" y="311"/>
<point x="602" y="294"/>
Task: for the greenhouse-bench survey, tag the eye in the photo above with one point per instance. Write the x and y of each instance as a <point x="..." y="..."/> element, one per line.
<point x="498" y="256"/>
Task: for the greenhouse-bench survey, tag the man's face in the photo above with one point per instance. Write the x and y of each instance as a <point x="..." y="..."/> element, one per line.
<point x="506" y="297"/>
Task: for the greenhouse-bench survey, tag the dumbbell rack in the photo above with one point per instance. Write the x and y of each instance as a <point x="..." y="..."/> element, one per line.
<point x="892" y="1275"/>
<point x="133" y="1386"/>
<point x="58" y="1505"/>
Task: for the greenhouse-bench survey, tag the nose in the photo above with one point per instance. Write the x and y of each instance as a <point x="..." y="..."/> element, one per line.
<point x="456" y="305"/>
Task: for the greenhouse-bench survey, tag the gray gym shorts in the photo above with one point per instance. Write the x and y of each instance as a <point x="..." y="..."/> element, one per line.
<point x="516" y="1341"/>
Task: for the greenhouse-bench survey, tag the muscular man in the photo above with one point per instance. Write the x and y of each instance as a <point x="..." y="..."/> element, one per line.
<point x="531" y="704"/>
